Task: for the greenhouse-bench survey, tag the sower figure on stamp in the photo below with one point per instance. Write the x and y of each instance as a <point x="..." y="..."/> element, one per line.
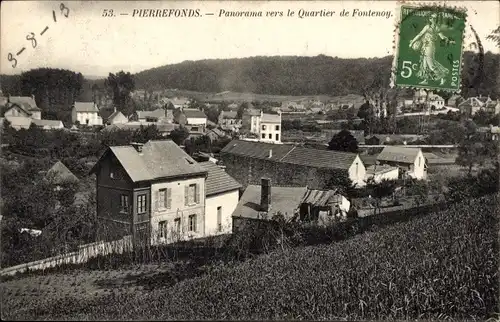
<point x="425" y="43"/>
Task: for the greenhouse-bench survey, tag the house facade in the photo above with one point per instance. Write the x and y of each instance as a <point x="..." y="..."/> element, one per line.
<point x="158" y="194"/>
<point x="289" y="165"/>
<point x="149" y="116"/>
<point x="86" y="113"/>
<point x="474" y="104"/>
<point x="410" y="161"/>
<point x="195" y="117"/>
<point x="270" y="128"/>
<point x="229" y="120"/>
<point x="116" y="117"/>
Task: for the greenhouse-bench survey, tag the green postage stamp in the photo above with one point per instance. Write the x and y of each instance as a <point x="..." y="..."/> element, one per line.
<point x="429" y="47"/>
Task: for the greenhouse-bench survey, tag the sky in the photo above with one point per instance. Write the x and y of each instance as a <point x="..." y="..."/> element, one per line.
<point x="93" y="44"/>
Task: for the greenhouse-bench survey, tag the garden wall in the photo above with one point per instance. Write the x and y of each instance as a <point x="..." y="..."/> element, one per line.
<point x="83" y="254"/>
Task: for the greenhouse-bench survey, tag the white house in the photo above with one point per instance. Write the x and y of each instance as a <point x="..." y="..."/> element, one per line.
<point x="222" y="195"/>
<point x="270" y="128"/>
<point x="435" y="102"/>
<point x="86" y="113"/>
<point x="410" y="161"/>
<point x="195" y="117"/>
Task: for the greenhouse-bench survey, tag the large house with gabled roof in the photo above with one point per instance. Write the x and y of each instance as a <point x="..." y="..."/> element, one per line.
<point x="86" y="113"/>
<point x="290" y="165"/>
<point x="22" y="106"/>
<point x="155" y="191"/>
<point x="410" y="161"/>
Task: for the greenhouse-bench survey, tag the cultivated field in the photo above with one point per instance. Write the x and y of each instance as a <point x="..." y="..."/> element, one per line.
<point x="441" y="266"/>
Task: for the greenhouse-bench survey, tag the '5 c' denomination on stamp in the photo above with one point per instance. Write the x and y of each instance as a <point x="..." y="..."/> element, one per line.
<point x="429" y="47"/>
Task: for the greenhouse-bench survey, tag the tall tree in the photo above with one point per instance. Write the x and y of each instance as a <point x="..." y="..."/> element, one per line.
<point x="343" y="141"/>
<point x="120" y="85"/>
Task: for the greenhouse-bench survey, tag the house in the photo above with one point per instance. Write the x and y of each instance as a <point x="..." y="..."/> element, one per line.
<point x="148" y="116"/>
<point x="222" y="195"/>
<point x="495" y="133"/>
<point x="179" y="102"/>
<point x="157" y="193"/>
<point x="435" y="102"/>
<point x="22" y="106"/>
<point x="86" y="113"/>
<point x="410" y="161"/>
<point x="49" y="124"/>
<point x="195" y="117"/>
<point x="489" y="133"/>
<point x="229" y="120"/>
<point x="474" y="104"/>
<point x="263" y="202"/>
<point x="116" y="117"/>
<point x="251" y="120"/>
<point x="377" y="173"/>
<point x="270" y="128"/>
<point x="289" y="165"/>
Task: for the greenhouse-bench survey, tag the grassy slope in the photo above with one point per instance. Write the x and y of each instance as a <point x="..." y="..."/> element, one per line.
<point x="441" y="265"/>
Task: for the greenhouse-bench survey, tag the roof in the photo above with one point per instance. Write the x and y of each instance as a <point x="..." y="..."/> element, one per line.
<point x="59" y="174"/>
<point x="292" y="154"/>
<point x="85" y="107"/>
<point x="218" y="180"/>
<point x="383" y="168"/>
<point x="25" y="102"/>
<point x="434" y="159"/>
<point x="321" y="198"/>
<point x="217" y="132"/>
<point x="114" y="114"/>
<point x="193" y="113"/>
<point x="283" y="199"/>
<point x="229" y="114"/>
<point x="398" y="154"/>
<point x="368" y="159"/>
<point x="159" y="159"/>
<point x="158" y="113"/>
<point x="51" y="123"/>
<point x="270" y="118"/>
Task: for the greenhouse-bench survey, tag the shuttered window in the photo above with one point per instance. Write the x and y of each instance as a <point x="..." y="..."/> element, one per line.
<point x="164" y="198"/>
<point x="192" y="194"/>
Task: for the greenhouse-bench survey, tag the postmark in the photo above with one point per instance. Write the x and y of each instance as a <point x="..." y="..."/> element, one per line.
<point x="428" y="47"/>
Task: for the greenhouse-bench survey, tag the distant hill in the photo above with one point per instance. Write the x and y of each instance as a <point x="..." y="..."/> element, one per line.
<point x="300" y="76"/>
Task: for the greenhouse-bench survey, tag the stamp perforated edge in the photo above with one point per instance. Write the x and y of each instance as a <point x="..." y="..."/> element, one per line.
<point x="395" y="43"/>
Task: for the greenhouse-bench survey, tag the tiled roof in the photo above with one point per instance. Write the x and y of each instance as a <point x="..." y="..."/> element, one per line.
<point x="270" y="118"/>
<point x="379" y="169"/>
<point x="283" y="199"/>
<point x="398" y="154"/>
<point x="193" y="113"/>
<point x="229" y="114"/>
<point x="50" y="123"/>
<point x="85" y="107"/>
<point x="291" y="154"/>
<point x="158" y="113"/>
<point x="321" y="198"/>
<point x="26" y="102"/>
<point x="218" y="180"/>
<point x="159" y="159"/>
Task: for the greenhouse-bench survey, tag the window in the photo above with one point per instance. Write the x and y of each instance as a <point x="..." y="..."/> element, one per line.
<point x="162" y="229"/>
<point x="263" y="135"/>
<point x="164" y="198"/>
<point x="194" y="129"/>
<point x="219" y="218"/>
<point x="270" y="136"/>
<point x="263" y="127"/>
<point x="277" y="127"/>
<point x="141" y="204"/>
<point x="123" y="203"/>
<point x="177" y="223"/>
<point x="192" y="223"/>
<point x="192" y="194"/>
<point x="277" y="137"/>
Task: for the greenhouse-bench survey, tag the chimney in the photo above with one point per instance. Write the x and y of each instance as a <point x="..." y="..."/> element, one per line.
<point x="265" y="194"/>
<point x="137" y="146"/>
<point x="270" y="153"/>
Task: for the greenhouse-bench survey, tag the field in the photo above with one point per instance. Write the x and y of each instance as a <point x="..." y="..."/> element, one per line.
<point x="441" y="266"/>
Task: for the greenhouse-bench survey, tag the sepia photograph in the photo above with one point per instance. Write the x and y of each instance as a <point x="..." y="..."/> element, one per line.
<point x="250" y="160"/>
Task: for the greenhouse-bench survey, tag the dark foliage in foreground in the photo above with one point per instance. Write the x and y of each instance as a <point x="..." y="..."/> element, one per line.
<point x="444" y="265"/>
